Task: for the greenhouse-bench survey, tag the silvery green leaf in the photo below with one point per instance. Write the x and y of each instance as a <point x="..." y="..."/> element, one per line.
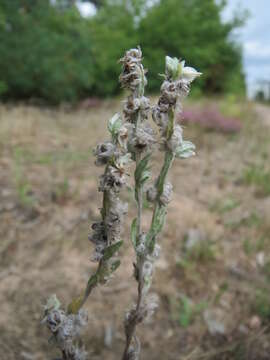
<point x="52" y="303"/>
<point x="185" y="150"/>
<point x="142" y="170"/>
<point x="92" y="282"/>
<point x="145" y="176"/>
<point x="156" y="226"/>
<point x="172" y="67"/>
<point x="187" y="154"/>
<point x="142" y="174"/>
<point x="169" y="156"/>
<point x="123" y="160"/>
<point x="114" y="125"/>
<point x="134" y="232"/>
<point x="163" y="76"/>
<point x="111" y="250"/>
<point x="159" y="219"/>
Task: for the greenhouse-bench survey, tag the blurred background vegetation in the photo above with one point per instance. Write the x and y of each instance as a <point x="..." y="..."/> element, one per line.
<point x="49" y="51"/>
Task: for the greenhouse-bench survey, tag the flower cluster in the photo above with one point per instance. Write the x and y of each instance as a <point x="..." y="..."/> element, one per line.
<point x="104" y="152"/>
<point x="165" y="197"/>
<point x="133" y="74"/>
<point x="143" y="139"/>
<point x="65" y="328"/>
<point x="133" y="105"/>
<point x="174" y="88"/>
<point x="137" y="106"/>
<point x="113" y="155"/>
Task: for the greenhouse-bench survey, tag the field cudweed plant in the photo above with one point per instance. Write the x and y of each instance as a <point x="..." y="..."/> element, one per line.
<point x="132" y="139"/>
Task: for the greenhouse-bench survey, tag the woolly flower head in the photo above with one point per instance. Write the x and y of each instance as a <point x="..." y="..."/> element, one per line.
<point x="176" y="69"/>
<point x="133" y="74"/>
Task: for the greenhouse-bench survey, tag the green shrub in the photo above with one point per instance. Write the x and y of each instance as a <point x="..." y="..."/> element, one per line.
<point x="3" y="87"/>
<point x="194" y="29"/>
<point x="44" y="53"/>
<point x="188" y="311"/>
<point x="53" y="53"/>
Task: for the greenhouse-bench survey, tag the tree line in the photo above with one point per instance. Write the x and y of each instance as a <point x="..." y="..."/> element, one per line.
<point x="53" y="53"/>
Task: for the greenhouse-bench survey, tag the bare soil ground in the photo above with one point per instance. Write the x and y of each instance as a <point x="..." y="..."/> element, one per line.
<point x="214" y="298"/>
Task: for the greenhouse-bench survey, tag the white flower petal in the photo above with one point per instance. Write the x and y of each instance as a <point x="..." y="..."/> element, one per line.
<point x="190" y="74"/>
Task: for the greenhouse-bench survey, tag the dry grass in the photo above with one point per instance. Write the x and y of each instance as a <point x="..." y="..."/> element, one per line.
<point x="48" y="196"/>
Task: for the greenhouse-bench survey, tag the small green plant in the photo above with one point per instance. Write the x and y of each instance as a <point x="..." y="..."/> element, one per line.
<point x="23" y="187"/>
<point x="250" y="221"/>
<point x="248" y="247"/>
<point x="223" y="288"/>
<point x="262" y="304"/>
<point x="202" y="252"/>
<point x="251" y="247"/>
<point x="259" y="177"/>
<point x="24" y="194"/>
<point x="132" y="139"/>
<point x="225" y="205"/>
<point x="60" y="191"/>
<point x="188" y="311"/>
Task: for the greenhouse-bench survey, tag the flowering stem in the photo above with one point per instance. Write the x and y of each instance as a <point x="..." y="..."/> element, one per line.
<point x="132" y="321"/>
<point x="139" y="202"/>
<point x="168" y="160"/>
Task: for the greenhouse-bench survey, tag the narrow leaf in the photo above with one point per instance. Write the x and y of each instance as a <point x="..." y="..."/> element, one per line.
<point x="114" y="125"/>
<point x="159" y="219"/>
<point x="146" y="175"/>
<point x="134" y="232"/>
<point x="115" y="265"/>
<point x="156" y="227"/>
<point x="52" y="303"/>
<point x="185" y="150"/>
<point x="111" y="250"/>
<point x="92" y="282"/>
<point x="141" y="168"/>
<point x="75" y="305"/>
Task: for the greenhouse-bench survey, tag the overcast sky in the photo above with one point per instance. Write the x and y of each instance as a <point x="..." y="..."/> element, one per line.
<point x="255" y="37"/>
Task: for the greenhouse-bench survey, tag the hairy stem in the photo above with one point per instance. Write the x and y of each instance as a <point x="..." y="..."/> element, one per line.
<point x="131" y="327"/>
<point x="139" y="202"/>
<point x="158" y="207"/>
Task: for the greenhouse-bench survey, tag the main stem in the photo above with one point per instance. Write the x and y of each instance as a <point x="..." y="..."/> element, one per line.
<point x="130" y="331"/>
<point x="140" y="202"/>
